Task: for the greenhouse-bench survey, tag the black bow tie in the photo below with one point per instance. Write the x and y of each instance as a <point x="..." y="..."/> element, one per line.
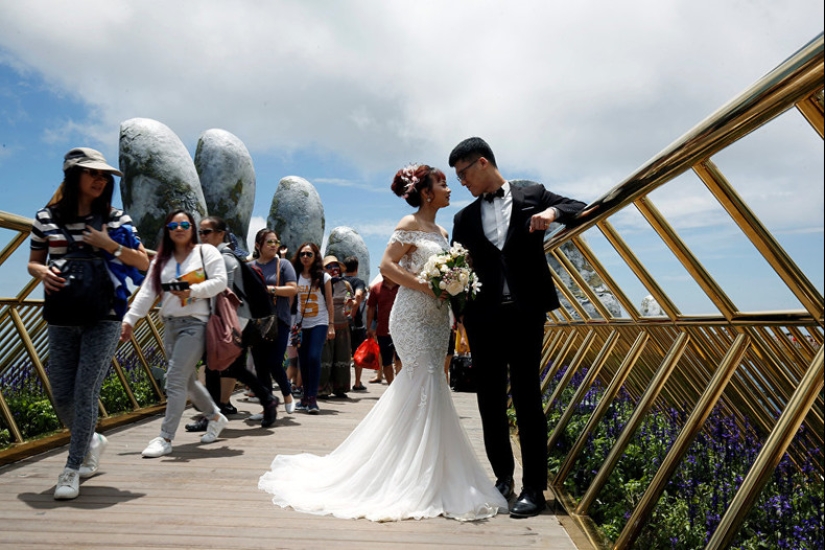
<point x="490" y="196"/>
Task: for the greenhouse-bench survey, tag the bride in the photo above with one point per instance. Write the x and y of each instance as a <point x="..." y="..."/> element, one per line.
<point x="409" y="457"/>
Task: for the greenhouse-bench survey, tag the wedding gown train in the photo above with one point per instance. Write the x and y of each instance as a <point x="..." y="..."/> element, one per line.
<point x="409" y="457"/>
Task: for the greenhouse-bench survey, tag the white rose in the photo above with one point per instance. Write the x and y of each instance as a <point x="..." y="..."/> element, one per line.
<point x="442" y="285"/>
<point x="455" y="287"/>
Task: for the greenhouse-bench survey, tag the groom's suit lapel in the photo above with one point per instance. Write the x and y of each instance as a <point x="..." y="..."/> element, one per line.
<point x="474" y="221"/>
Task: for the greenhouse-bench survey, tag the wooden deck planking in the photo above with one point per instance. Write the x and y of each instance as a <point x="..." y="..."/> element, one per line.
<point x="206" y="496"/>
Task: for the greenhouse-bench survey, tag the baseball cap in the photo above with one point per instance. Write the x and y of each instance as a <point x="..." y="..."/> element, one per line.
<point x="88" y="158"/>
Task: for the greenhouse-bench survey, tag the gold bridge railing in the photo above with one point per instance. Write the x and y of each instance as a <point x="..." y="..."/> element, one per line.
<point x="763" y="366"/>
<point x="29" y="426"/>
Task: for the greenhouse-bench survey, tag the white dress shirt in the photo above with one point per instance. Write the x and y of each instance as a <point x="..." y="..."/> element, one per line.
<point x="495" y="221"/>
<point x="495" y="216"/>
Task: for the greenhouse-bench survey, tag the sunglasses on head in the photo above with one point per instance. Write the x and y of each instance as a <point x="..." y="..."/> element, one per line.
<point x="307" y="254"/>
<point x="171" y="226"/>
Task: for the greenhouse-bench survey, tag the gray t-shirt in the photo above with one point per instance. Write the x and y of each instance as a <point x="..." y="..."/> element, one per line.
<point x="287" y="276"/>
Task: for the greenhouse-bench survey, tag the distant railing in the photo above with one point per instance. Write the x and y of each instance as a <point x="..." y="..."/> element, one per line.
<point x="762" y="368"/>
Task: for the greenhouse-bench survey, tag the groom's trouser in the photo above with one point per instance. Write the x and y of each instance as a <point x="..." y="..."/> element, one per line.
<point x="502" y="338"/>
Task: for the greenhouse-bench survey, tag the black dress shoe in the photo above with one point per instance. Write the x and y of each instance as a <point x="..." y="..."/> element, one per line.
<point x="505" y="487"/>
<point x="528" y="504"/>
<point x="198" y="425"/>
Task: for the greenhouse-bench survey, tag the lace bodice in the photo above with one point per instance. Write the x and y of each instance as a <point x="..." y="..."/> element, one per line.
<point x="419" y="324"/>
<point x="426" y="244"/>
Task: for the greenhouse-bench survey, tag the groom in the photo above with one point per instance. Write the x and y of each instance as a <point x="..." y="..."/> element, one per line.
<point x="504" y="232"/>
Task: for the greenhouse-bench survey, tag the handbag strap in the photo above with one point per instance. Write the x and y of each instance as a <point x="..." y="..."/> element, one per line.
<point x="205" y="277"/>
<point x="304" y="309"/>
<point x="71" y="243"/>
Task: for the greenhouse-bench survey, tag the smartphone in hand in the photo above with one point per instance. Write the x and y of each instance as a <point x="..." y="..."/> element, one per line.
<point x="174" y="285"/>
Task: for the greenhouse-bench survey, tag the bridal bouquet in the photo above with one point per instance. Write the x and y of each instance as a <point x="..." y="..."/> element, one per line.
<point x="449" y="271"/>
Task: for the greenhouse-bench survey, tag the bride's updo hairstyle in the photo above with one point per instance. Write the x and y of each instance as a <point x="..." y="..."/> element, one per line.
<point x="414" y="178"/>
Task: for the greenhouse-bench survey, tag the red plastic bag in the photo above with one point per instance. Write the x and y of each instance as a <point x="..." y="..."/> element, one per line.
<point x="368" y="355"/>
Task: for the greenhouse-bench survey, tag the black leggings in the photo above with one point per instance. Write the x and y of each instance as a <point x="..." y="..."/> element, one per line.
<point x="238" y="371"/>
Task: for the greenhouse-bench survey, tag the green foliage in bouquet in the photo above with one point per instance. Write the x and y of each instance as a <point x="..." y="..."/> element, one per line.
<point x="450" y="272"/>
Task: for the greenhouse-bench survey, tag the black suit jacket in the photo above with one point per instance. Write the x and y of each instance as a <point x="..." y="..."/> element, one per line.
<point x="521" y="261"/>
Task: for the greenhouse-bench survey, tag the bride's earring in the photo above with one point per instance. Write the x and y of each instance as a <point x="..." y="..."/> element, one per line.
<point x="429" y="199"/>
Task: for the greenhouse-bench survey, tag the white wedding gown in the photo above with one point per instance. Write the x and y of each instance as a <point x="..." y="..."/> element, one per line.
<point x="409" y="457"/>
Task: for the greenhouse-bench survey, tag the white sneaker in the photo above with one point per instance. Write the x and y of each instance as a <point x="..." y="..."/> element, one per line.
<point x="290" y="407"/>
<point x="68" y="485"/>
<point x="157" y="448"/>
<point x="92" y="460"/>
<point x="214" y="429"/>
<point x="256" y="416"/>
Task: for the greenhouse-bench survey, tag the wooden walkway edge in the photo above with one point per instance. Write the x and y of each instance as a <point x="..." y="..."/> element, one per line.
<point x="206" y="496"/>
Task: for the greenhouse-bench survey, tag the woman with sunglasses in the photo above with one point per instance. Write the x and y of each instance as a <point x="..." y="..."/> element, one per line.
<point x="185" y="308"/>
<point x="314" y="313"/>
<point x="281" y="281"/>
<point x="221" y="384"/>
<point x="80" y="355"/>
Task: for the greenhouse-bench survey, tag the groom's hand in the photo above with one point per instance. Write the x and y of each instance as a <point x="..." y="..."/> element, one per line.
<point x="542" y="220"/>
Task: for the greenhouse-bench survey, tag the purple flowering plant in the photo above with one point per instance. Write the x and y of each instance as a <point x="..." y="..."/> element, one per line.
<point x="33" y="412"/>
<point x="788" y="514"/>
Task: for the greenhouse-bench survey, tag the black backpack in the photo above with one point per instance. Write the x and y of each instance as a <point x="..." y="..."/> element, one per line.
<point x="255" y="293"/>
<point x="88" y="294"/>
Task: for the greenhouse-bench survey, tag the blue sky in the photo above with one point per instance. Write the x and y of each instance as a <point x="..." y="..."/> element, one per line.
<point x="345" y="93"/>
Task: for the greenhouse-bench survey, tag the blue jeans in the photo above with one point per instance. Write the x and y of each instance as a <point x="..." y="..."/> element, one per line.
<point x="184" y="340"/>
<point x="309" y="358"/>
<point x="79" y="358"/>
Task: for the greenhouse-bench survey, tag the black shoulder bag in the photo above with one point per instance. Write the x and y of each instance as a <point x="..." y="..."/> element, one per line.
<point x="88" y="294"/>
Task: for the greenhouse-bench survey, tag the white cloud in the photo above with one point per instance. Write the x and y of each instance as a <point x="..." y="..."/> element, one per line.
<point x="576" y="95"/>
<point x="567" y="91"/>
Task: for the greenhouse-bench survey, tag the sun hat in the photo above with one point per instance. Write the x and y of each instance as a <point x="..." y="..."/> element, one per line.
<point x="88" y="158"/>
<point x="331" y="260"/>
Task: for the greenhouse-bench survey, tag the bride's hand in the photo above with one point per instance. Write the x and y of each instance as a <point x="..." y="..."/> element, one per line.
<point x="427" y="289"/>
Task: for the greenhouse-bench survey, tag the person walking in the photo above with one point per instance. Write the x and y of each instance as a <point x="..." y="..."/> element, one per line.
<point x="379" y="307"/>
<point x="221" y="384"/>
<point x="503" y="230"/>
<point x="314" y="316"/>
<point x="336" y="357"/>
<point x="282" y="284"/>
<point x="80" y="214"/>
<point x="186" y="275"/>
<point x="357" y="314"/>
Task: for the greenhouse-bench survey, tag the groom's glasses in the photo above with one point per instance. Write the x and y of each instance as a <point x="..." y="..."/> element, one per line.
<point x="463" y="172"/>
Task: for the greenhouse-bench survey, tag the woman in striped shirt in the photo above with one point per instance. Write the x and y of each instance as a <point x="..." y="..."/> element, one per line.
<point x="80" y="354"/>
